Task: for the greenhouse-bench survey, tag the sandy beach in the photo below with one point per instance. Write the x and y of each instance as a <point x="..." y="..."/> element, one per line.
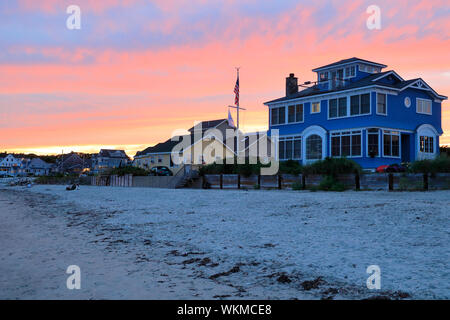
<point x="143" y="243"/>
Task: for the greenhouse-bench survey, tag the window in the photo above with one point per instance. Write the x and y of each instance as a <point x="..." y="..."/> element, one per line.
<point x="381" y="103"/>
<point x="346" y="144"/>
<point x="391" y="143"/>
<point x="290" y="148"/>
<point x="426" y="144"/>
<point x="295" y="113"/>
<point x="423" y="106"/>
<point x="373" y="142"/>
<point x="278" y="116"/>
<point x="315" y="107"/>
<point x="360" y="104"/>
<point x="314" y="147"/>
<point x="323" y="76"/>
<point x="350" y="71"/>
<point x="337" y="108"/>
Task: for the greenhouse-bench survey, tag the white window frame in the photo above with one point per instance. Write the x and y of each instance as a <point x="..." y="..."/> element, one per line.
<point x="389" y="132"/>
<point x="352" y="74"/>
<point x="337" y="99"/>
<point x="376" y="99"/>
<point x="324" y="80"/>
<point x="312" y="109"/>
<point x="290" y="138"/>
<point x="425" y="144"/>
<point x="285" y="115"/>
<point x="359" y="114"/>
<point x="295" y="114"/>
<point x="367" y="142"/>
<point x="424" y="100"/>
<point x="346" y="133"/>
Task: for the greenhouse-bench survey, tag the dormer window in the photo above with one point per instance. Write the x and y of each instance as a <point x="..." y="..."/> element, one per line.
<point x="323" y="76"/>
<point x="350" y="71"/>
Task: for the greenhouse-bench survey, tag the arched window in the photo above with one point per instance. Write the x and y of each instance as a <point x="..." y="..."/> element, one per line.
<point x="314" y="147"/>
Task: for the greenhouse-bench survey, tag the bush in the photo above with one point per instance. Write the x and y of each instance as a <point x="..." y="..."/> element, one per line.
<point x="332" y="167"/>
<point x="135" y="171"/>
<point x="61" y="179"/>
<point x="329" y="183"/>
<point x="439" y="165"/>
<point x="245" y="169"/>
<point x="290" y="167"/>
<point x="297" y="186"/>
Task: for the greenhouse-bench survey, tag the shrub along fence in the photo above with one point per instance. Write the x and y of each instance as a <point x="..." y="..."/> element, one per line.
<point x="376" y="181"/>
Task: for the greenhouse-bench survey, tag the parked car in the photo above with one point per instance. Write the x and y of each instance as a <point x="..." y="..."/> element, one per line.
<point x="382" y="168"/>
<point x="391" y="168"/>
<point x="161" y="171"/>
<point x="396" y="168"/>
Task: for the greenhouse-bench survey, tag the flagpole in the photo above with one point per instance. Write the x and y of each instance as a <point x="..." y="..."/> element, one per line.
<point x="238" y="99"/>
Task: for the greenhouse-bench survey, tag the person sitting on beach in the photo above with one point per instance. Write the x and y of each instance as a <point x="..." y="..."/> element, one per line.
<point x="73" y="187"/>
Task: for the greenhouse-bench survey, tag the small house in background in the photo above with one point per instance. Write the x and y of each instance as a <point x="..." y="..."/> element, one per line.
<point x="109" y="159"/>
<point x="38" y="167"/>
<point x="72" y="163"/>
<point x="10" y="166"/>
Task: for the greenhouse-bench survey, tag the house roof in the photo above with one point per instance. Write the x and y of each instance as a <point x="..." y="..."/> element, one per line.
<point x="168" y="145"/>
<point x="370" y="80"/>
<point x="347" y="61"/>
<point x="208" y="124"/>
<point x="110" y="153"/>
<point x="38" y="163"/>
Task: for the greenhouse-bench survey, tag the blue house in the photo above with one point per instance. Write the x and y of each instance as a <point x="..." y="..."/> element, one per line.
<point x="357" y="110"/>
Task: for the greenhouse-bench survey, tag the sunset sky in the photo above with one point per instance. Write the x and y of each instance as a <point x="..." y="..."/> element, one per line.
<point x="139" y="69"/>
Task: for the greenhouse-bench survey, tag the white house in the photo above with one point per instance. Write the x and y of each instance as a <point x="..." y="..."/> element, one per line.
<point x="10" y="166"/>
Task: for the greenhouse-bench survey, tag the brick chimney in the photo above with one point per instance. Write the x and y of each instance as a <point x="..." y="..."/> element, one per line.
<point x="291" y="85"/>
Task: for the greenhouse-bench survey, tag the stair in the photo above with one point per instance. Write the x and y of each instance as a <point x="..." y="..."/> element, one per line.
<point x="187" y="179"/>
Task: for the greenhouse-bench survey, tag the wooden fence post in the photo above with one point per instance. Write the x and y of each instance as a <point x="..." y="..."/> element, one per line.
<point x="391" y="181"/>
<point x="221" y="181"/>
<point x="303" y="181"/>
<point x="357" y="182"/>
<point x="259" y="180"/>
<point x="425" y="181"/>
<point x="239" y="181"/>
<point x="279" y="181"/>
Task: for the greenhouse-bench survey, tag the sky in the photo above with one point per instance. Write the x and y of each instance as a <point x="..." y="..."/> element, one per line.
<point x="138" y="70"/>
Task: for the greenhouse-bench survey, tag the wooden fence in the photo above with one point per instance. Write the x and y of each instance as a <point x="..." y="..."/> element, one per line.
<point x="376" y="181"/>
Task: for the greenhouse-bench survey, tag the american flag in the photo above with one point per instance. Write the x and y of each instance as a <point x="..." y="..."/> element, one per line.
<point x="236" y="91"/>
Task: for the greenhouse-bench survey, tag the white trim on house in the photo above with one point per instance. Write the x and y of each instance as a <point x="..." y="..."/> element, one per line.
<point x="314" y="130"/>
<point x="426" y="130"/>
<point x="422" y="85"/>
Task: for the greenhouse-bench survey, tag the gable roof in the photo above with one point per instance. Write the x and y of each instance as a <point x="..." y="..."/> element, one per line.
<point x="347" y="61"/>
<point x="38" y="163"/>
<point x="111" y="153"/>
<point x="210" y="124"/>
